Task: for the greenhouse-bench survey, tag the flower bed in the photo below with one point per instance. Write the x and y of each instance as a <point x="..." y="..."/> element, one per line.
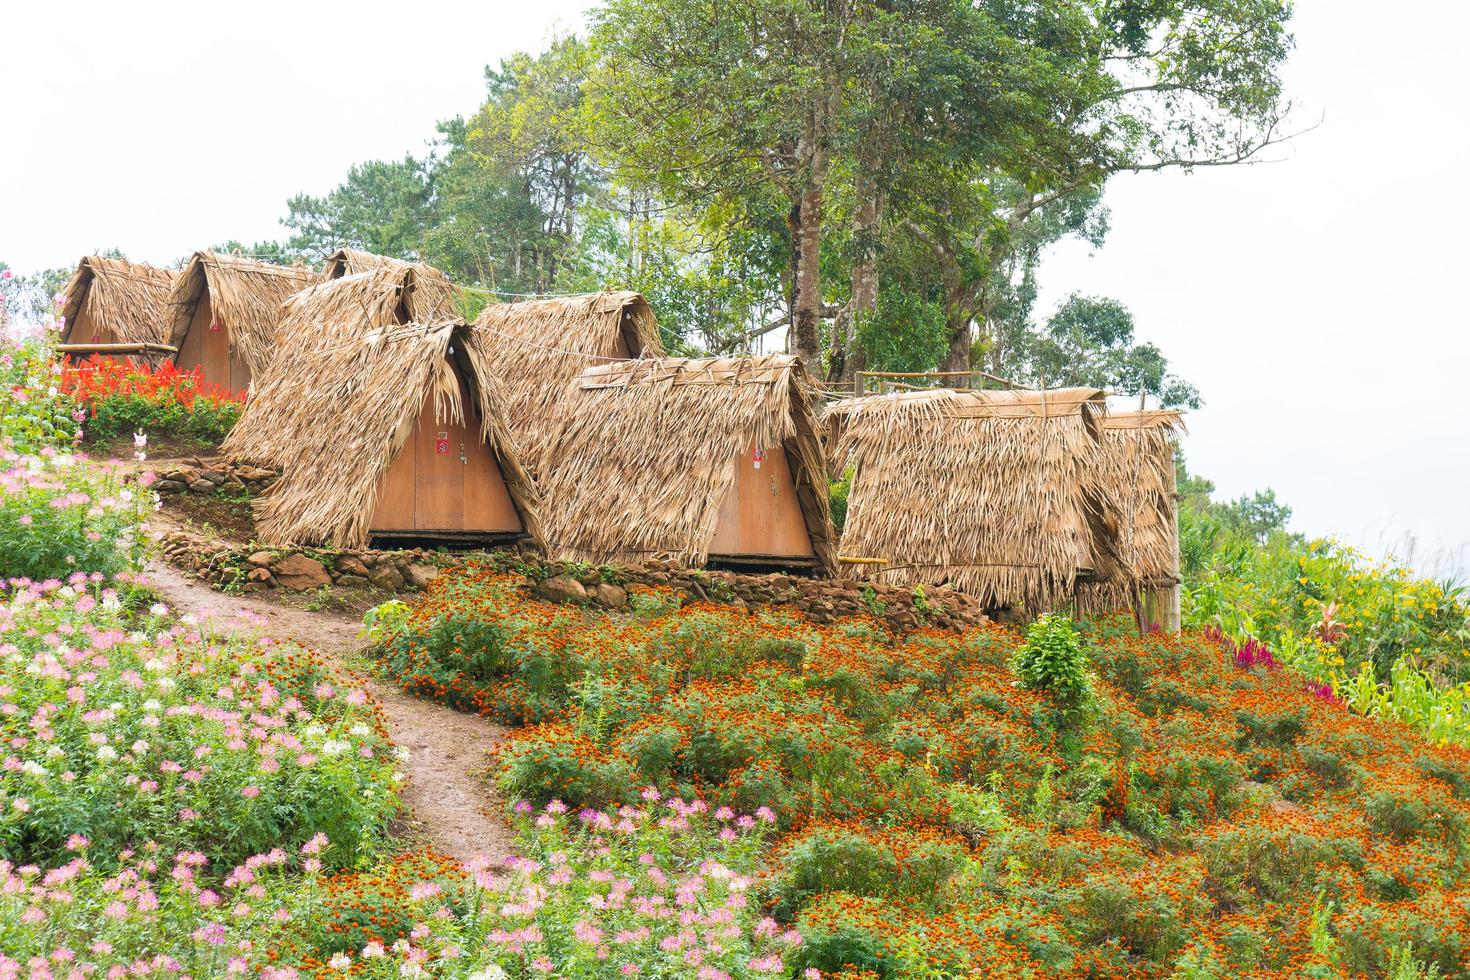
<point x="120" y="397"/>
<point x="1196" y="813"/>
<point x="129" y="731"/>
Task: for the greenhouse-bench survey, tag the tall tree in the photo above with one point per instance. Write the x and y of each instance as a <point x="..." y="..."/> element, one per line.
<point x="1089" y="341"/>
<point x="705" y="101"/>
<point x="1181" y="84"/>
<point x="382" y="207"/>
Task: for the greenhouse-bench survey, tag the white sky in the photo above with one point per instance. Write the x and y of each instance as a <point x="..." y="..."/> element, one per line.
<point x="1315" y="301"/>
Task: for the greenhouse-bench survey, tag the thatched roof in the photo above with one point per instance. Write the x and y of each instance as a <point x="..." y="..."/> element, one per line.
<point x="542" y="345"/>
<point x="643" y="454"/>
<point x="434" y="296"/>
<point x="1138" y="460"/>
<point x="993" y="492"/>
<point x="334" y="417"/>
<point x="321" y="321"/>
<point x="129" y="299"/>
<point x="245" y="296"/>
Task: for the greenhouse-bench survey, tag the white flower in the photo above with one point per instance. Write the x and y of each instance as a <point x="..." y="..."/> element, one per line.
<point x="55" y="752"/>
<point x="340" y="962"/>
<point x="314" y="731"/>
<point x="360" y="730"/>
<point x="334" y="747"/>
<point x="158" y="609"/>
<point x="140" y="747"/>
<point x="167" y="684"/>
<point x="140" y="439"/>
<point x="106" y="753"/>
<point x="372" y="950"/>
<point x="491" y="972"/>
<point x="189" y="619"/>
<point x="153" y="706"/>
<point x="33" y="768"/>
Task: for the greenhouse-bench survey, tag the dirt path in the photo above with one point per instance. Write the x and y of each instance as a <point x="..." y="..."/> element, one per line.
<point x="451" y="801"/>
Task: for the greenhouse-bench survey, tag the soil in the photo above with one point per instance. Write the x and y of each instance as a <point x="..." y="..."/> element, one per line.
<point x="227" y="518"/>
<point x="161" y="446"/>
<point x="453" y="805"/>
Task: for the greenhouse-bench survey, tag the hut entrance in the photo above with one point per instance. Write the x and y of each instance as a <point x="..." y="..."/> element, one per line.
<point x="445" y="483"/>
<point x="206" y="346"/>
<point x="761" y="518"/>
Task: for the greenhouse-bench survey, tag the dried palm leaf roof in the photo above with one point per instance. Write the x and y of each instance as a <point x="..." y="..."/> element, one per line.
<point x="1138" y="459"/>
<point x="643" y="454"/>
<point x="319" y="322"/>
<point x="433" y="296"/>
<point x="993" y="492"/>
<point x="334" y="418"/>
<point x="128" y="299"/>
<point x="540" y="346"/>
<point x="244" y="294"/>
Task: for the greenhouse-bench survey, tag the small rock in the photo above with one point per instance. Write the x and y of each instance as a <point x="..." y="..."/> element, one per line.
<point x="387" y="578"/>
<point x="168" y="486"/>
<point x="261" y="558"/>
<point x="253" y="587"/>
<point x="259" y="575"/>
<point x="419" y="576"/>
<point x="612" y="596"/>
<point x="301" y="573"/>
<point x="348" y="565"/>
<point x="201" y="486"/>
<point x="561" y="588"/>
<point x="353" y="582"/>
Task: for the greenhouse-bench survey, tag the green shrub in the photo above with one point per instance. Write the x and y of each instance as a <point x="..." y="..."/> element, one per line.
<point x="1053" y="661"/>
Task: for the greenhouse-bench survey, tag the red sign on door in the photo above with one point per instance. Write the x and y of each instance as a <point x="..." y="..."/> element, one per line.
<point x="441" y="446"/>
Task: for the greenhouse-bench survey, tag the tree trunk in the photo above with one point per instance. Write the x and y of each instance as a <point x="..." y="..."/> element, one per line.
<point x="806" y="337"/>
<point x="960" y="342"/>
<point x="847" y="354"/>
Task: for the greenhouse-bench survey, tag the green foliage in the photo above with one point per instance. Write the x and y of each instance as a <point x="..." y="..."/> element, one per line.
<point x="1053" y="661"/>
<point x="1089" y="341"/>
<point x="837" y="493"/>
<point x="203" y="420"/>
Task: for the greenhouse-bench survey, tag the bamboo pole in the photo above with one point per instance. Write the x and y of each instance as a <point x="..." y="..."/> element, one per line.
<point x="150" y="348"/>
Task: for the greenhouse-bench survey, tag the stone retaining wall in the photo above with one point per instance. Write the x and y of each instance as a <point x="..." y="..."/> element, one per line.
<point x="258" y="569"/>
<point x="822" y="600"/>
<point x="201" y="475"/>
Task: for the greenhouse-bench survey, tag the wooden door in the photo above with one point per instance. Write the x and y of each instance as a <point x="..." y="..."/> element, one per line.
<point x="762" y="515"/>
<point x="206" y="346"/>
<point x="445" y="479"/>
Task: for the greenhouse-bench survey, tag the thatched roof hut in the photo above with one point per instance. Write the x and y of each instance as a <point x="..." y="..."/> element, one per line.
<point x="391" y="431"/>
<point x="223" y="314"/>
<point x="993" y="492"/>
<point x="1137" y="464"/>
<point x="695" y="460"/>
<point x="113" y="303"/>
<point x="540" y="346"/>
<point x="434" y="296"/>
